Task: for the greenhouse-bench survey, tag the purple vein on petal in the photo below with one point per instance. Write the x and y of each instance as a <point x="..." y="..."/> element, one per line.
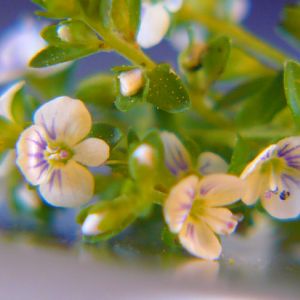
<point x="51" y="180"/>
<point x="42" y="146"/>
<point x="40" y="164"/>
<point x="284" y="153"/>
<point x="51" y="132"/>
<point x="287" y="178"/>
<point x="43" y="170"/>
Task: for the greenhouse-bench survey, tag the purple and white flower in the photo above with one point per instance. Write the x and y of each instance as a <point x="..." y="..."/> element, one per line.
<point x="178" y="160"/>
<point x="155" y="21"/>
<point x="274" y="177"/>
<point x="51" y="153"/>
<point x="194" y="210"/>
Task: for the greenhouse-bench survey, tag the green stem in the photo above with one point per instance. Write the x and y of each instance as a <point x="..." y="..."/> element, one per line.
<point x="116" y="162"/>
<point x="242" y="38"/>
<point x="130" y="51"/>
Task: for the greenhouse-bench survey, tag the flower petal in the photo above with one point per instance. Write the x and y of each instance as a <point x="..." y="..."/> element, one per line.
<point x="7" y="98"/>
<point x="196" y="237"/>
<point x="69" y="186"/>
<point x="173" y="5"/>
<point x="220" y="220"/>
<point x="210" y="163"/>
<point x="221" y="189"/>
<point x="30" y="154"/>
<point x="289" y="149"/>
<point x="7" y="162"/>
<point x="65" y="120"/>
<point x="179" y="202"/>
<point x="281" y="206"/>
<point x="177" y="158"/>
<point x="155" y="22"/>
<point x="91" y="224"/>
<point x="259" y="160"/>
<point x="254" y="186"/>
<point x="91" y="152"/>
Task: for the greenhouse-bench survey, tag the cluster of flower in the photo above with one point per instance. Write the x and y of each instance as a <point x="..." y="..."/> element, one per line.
<point x="52" y="153"/>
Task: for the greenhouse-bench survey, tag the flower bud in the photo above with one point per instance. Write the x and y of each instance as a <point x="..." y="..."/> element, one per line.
<point x="131" y="82"/>
<point x="91" y="224"/>
<point x="144" y="155"/>
<point x="64" y="33"/>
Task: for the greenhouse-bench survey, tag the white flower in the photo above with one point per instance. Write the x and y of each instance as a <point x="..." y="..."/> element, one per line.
<point x="144" y="155"/>
<point x="8" y="158"/>
<point x="18" y="46"/>
<point x="155" y="21"/>
<point x="234" y="10"/>
<point x="131" y="82"/>
<point x="274" y="177"/>
<point x="178" y="160"/>
<point x="51" y="153"/>
<point x="91" y="224"/>
<point x="194" y="211"/>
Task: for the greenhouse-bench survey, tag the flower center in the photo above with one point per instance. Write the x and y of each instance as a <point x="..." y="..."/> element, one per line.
<point x="197" y="208"/>
<point x="58" y="154"/>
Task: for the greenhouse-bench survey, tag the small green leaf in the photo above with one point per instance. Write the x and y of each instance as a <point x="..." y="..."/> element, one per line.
<point x="108" y="133"/>
<point x="166" y="90"/>
<point x="98" y="89"/>
<point x="264" y="105"/>
<point x="72" y="33"/>
<point x="53" y="55"/>
<point x="290" y="24"/>
<point x="215" y="59"/>
<point x="125" y="16"/>
<point x="292" y="88"/>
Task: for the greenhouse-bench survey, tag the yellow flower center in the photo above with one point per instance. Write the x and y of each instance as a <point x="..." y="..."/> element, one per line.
<point x="57" y="154"/>
<point x="197" y="208"/>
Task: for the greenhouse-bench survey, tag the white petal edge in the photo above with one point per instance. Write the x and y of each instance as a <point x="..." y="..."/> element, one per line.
<point x="155" y="22"/>
<point x="197" y="238"/>
<point x="221" y="189"/>
<point x="65" y="120"/>
<point x="211" y="163"/>
<point x="254" y="185"/>
<point x="91" y="224"/>
<point x="179" y="202"/>
<point x="173" y="5"/>
<point x="7" y="98"/>
<point x="91" y="152"/>
<point x="73" y="187"/>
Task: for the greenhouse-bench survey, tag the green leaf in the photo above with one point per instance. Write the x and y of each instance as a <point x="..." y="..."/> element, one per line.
<point x="125" y="15"/>
<point x="215" y="59"/>
<point x="98" y="89"/>
<point x="57" y="8"/>
<point x="166" y="90"/>
<point x="70" y="32"/>
<point x="108" y="133"/>
<point x="292" y="88"/>
<point x="53" y="55"/>
<point x="264" y="105"/>
<point x="105" y="7"/>
<point x="290" y="24"/>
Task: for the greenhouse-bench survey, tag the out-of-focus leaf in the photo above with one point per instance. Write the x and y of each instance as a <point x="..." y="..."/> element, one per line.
<point x="108" y="133"/>
<point x="166" y="91"/>
<point x="215" y="58"/>
<point x="292" y="88"/>
<point x="98" y="89"/>
<point x="263" y="105"/>
<point x="53" y="55"/>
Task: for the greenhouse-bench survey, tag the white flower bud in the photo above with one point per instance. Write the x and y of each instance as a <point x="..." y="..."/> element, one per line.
<point x="64" y="33"/>
<point x="91" y="223"/>
<point x="131" y="82"/>
<point x="144" y="155"/>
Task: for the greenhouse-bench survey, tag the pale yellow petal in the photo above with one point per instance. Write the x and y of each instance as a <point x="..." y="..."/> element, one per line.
<point x="7" y="98"/>
<point x="221" y="189"/>
<point x="65" y="120"/>
<point x="91" y="152"/>
<point x="197" y="238"/>
<point x="220" y="220"/>
<point x="179" y="202"/>
<point x="69" y="186"/>
<point x="255" y="182"/>
<point x="262" y="157"/>
<point x="30" y="155"/>
<point x="211" y="163"/>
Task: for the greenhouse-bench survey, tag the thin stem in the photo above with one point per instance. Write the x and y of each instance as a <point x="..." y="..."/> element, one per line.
<point x="116" y="162"/>
<point x="242" y="38"/>
<point x="130" y="51"/>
